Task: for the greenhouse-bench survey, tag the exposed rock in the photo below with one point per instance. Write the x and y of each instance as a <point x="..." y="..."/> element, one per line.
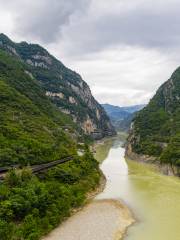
<point x="156" y="128"/>
<point x="88" y="126"/>
<point x="12" y="50"/>
<point x="66" y="111"/>
<point x="29" y="74"/>
<point x="40" y="64"/>
<point x="98" y="114"/>
<point x="36" y="64"/>
<point x="47" y="59"/>
<point x="51" y="94"/>
<point x="65" y="87"/>
<point x="166" y="169"/>
<point x="138" y="157"/>
<point x="30" y="62"/>
<point x="72" y="100"/>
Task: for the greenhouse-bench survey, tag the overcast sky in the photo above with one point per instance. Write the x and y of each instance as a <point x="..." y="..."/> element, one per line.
<point x="124" y="49"/>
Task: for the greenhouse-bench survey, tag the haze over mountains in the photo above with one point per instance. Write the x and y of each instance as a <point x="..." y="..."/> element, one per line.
<point x="121" y="117"/>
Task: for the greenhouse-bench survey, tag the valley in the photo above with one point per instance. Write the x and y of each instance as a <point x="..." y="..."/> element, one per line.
<point x="153" y="200"/>
<point x="57" y="142"/>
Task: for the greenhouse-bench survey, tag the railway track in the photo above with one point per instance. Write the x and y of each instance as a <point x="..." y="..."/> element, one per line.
<point x="35" y="168"/>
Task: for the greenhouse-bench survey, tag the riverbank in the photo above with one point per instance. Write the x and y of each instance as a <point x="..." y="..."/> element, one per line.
<point x="154" y="198"/>
<point x="97" y="219"/>
<point x="166" y="169"/>
<point x="106" y="219"/>
<point x="74" y="211"/>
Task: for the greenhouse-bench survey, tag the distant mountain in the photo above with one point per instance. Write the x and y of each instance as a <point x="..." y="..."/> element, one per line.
<point x="134" y="108"/>
<point x="121" y="117"/>
<point x="64" y="87"/>
<point x="156" y="128"/>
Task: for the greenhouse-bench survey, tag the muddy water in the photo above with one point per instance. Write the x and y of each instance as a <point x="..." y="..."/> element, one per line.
<point x="105" y="218"/>
<point x="153" y="197"/>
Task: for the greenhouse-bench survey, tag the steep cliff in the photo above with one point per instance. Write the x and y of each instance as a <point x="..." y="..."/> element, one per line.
<point x="156" y="129"/>
<point x="62" y="86"/>
<point x="32" y="129"/>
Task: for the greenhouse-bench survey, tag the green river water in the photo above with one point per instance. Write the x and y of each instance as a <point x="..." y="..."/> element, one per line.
<point x="153" y="198"/>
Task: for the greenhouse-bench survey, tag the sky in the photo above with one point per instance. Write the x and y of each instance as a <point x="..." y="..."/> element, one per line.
<point x="124" y="49"/>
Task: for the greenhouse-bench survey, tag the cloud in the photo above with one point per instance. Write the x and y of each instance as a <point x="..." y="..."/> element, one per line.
<point x="114" y="23"/>
<point x="125" y="75"/>
<point x="124" y="49"/>
<point x="42" y="19"/>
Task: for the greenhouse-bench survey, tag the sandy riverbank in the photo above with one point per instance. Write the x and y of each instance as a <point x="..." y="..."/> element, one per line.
<point x="99" y="220"/>
<point x="106" y="219"/>
<point x="96" y="220"/>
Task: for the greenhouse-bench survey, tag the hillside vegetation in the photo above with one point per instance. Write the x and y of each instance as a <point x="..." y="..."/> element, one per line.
<point x="156" y="130"/>
<point x="64" y="87"/>
<point x="34" y="131"/>
<point x="31" y="206"/>
<point x="31" y="128"/>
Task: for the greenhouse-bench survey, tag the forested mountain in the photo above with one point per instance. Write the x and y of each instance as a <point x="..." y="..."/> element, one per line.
<point x="33" y="130"/>
<point x="31" y="127"/>
<point x="156" y="128"/>
<point x="62" y="86"/>
<point x="121" y="117"/>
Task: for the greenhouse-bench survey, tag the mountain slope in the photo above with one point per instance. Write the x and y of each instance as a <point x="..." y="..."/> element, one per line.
<point x="31" y="128"/>
<point x="156" y="130"/>
<point x="64" y="87"/>
<point x="121" y="117"/>
<point x="34" y="131"/>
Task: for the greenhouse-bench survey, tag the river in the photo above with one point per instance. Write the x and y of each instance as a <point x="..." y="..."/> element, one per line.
<point x="154" y="200"/>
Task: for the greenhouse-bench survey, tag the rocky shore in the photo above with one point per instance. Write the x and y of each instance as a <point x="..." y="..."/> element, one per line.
<point x="166" y="169"/>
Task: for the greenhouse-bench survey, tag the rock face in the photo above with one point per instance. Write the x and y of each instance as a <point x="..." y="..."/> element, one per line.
<point x="64" y="87"/>
<point x="164" y="168"/>
<point x="32" y="129"/>
<point x="155" y="132"/>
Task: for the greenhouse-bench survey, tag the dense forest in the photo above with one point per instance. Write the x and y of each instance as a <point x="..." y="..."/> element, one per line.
<point x="64" y="87"/>
<point x="156" y="130"/>
<point x="34" y="131"/>
<point x="31" y="128"/>
<point x="31" y="206"/>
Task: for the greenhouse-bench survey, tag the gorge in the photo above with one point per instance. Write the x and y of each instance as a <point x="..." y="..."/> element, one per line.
<point x="48" y="114"/>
